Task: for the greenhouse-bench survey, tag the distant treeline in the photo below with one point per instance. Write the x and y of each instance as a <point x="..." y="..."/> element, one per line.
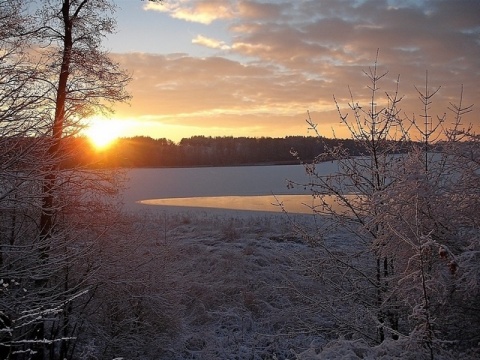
<point x="203" y="151"/>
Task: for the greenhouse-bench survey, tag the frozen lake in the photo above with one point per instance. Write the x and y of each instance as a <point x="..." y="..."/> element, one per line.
<point x="253" y="188"/>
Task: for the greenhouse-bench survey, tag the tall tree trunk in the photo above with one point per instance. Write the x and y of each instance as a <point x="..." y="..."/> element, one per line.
<point x="49" y="182"/>
<point x="48" y="211"/>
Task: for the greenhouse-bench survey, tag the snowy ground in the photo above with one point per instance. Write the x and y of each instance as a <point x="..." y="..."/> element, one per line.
<point x="213" y="284"/>
<point x="232" y="285"/>
<point x="230" y="276"/>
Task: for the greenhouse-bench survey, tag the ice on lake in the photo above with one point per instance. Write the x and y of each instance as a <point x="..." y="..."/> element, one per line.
<point x="252" y="188"/>
<point x="290" y="203"/>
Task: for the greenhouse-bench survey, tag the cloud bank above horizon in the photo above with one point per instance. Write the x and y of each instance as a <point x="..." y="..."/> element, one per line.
<point x="254" y="68"/>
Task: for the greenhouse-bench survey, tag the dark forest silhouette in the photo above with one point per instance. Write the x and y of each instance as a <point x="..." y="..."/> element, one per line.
<point x="144" y="151"/>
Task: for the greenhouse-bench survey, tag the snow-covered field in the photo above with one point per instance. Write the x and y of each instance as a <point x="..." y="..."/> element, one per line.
<point x="228" y="285"/>
<point x="215" y="283"/>
<point x="232" y="281"/>
<point x="232" y="276"/>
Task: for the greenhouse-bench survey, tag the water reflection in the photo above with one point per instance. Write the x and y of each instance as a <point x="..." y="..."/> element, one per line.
<point x="301" y="204"/>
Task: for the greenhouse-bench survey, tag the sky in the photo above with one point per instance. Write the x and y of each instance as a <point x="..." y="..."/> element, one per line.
<point x="256" y="67"/>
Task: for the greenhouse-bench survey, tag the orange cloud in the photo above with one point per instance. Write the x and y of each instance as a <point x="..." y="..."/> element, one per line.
<point x="201" y="11"/>
<point x="289" y="57"/>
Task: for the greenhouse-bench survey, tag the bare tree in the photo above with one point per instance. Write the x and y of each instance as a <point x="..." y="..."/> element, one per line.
<point x="84" y="79"/>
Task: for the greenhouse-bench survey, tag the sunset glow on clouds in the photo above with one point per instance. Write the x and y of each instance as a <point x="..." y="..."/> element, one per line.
<point x="211" y="43"/>
<point x="254" y="68"/>
<point x="203" y="12"/>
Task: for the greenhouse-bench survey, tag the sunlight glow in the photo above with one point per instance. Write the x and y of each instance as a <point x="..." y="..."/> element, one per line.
<point x="103" y="132"/>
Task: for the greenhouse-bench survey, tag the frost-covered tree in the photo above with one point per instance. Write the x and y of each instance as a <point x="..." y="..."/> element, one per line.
<point x="348" y="197"/>
<point x="53" y="74"/>
<point x="403" y="207"/>
<point x="432" y="221"/>
<point x="22" y="149"/>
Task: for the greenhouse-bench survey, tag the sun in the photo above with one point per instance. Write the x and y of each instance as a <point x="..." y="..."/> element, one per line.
<point x="102" y="133"/>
